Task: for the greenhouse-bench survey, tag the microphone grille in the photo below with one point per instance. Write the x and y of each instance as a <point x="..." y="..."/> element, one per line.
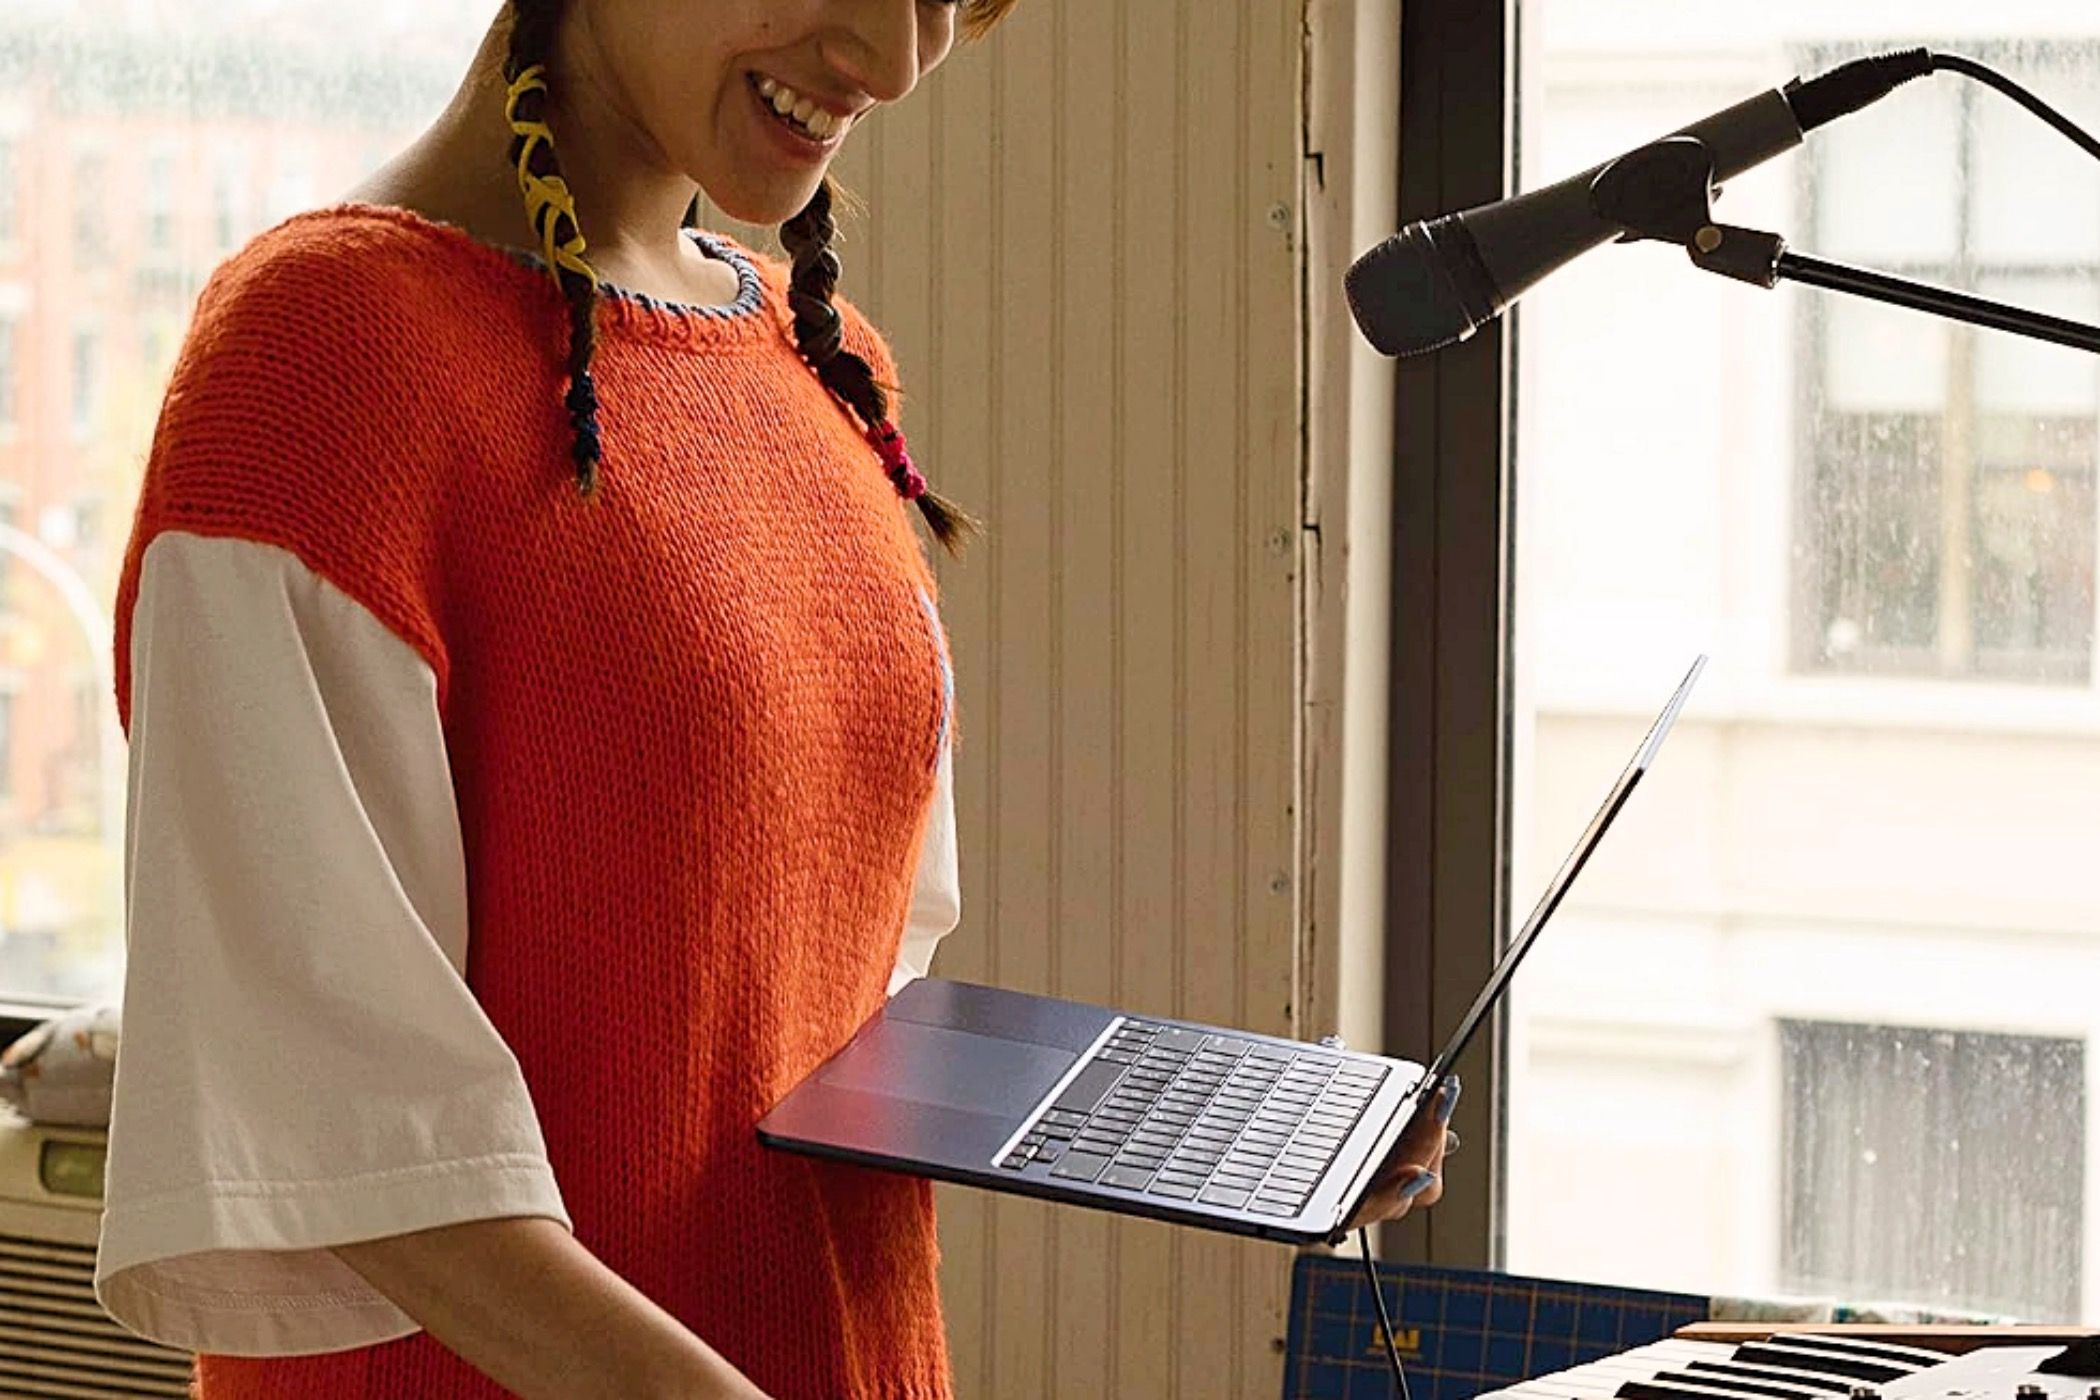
<point x="1403" y="297"/>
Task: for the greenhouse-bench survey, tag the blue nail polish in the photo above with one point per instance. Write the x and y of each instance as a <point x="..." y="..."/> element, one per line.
<point x="1417" y="1186"/>
<point x="1448" y="1104"/>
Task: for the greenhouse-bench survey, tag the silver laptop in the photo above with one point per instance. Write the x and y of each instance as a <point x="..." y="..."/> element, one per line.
<point x="1145" y="1115"/>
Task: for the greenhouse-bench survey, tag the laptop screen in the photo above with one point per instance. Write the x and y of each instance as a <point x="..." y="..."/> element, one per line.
<point x="1506" y="967"/>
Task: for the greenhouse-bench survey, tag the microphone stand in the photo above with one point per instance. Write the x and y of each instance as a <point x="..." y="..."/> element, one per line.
<point x="1664" y="191"/>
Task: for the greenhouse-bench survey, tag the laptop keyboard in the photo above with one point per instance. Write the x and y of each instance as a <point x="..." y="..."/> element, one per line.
<point x="1188" y="1116"/>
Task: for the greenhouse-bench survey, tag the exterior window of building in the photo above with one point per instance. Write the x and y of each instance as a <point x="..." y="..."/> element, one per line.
<point x="10" y="196"/>
<point x="91" y="209"/>
<point x="1991" y="1126"/>
<point x="86" y="379"/>
<point x="7" y="743"/>
<point x="10" y="376"/>
<point x="1948" y="494"/>
<point x="160" y="202"/>
<point x="229" y="197"/>
<point x="10" y="514"/>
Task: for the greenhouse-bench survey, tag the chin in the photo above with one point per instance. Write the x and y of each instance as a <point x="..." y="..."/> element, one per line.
<point x="765" y="202"/>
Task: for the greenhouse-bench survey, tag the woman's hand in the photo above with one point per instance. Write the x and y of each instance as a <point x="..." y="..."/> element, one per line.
<point x="1413" y="1174"/>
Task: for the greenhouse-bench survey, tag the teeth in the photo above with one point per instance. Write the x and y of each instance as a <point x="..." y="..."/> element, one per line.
<point x="800" y="110"/>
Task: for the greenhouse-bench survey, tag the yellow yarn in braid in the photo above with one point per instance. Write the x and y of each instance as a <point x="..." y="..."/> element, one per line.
<point x="547" y="198"/>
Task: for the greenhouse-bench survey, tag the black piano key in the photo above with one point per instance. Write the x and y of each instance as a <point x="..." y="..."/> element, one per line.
<point x="1826" y="1362"/>
<point x="1911" y="1358"/>
<point x="1822" y="1384"/>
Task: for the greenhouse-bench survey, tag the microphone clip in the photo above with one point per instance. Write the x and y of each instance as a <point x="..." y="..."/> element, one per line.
<point x="1664" y="191"/>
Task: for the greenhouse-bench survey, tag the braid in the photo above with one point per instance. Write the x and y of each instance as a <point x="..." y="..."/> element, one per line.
<point x="553" y="214"/>
<point x="821" y="337"/>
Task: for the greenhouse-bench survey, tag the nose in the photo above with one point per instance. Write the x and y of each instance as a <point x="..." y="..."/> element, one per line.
<point x="875" y="46"/>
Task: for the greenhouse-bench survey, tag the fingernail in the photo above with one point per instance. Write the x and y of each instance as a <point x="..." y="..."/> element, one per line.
<point x="1448" y="1104"/>
<point x="1417" y="1186"/>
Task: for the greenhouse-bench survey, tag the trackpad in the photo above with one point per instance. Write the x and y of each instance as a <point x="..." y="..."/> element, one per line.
<point x="951" y="1068"/>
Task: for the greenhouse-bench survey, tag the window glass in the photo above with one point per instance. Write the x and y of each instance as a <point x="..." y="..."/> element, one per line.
<point x="140" y="143"/>
<point x="1878" y="1117"/>
<point x="1831" y="975"/>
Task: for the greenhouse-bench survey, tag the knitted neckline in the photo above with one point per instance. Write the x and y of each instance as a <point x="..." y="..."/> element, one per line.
<point x="757" y="316"/>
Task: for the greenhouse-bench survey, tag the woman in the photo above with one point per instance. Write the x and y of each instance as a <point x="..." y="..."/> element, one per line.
<point x="540" y="751"/>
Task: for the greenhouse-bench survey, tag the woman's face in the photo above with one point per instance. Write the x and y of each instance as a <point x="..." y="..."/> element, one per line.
<point x="705" y="82"/>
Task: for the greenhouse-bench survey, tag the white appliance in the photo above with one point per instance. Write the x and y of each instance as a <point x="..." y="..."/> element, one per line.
<point x="55" y="1339"/>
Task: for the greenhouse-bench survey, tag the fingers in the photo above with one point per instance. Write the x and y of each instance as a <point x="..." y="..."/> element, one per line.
<point x="1413" y="1186"/>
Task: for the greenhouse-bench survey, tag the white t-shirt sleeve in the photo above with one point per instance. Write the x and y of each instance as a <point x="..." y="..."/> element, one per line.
<point x="936" y="901"/>
<point x="302" y="1063"/>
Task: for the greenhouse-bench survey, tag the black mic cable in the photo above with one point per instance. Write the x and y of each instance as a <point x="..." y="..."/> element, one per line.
<point x="1385" y="1320"/>
<point x="1990" y="77"/>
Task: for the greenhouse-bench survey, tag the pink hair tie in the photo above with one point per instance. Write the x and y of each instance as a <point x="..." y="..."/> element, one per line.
<point x="896" y="461"/>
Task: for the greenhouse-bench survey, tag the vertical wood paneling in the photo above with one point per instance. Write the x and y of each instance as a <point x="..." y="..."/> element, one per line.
<point x="1073" y="246"/>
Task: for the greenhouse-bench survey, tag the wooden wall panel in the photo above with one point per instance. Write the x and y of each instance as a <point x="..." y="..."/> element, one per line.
<point x="1080" y="243"/>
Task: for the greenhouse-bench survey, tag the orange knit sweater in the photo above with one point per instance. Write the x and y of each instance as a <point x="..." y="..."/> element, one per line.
<point x="693" y="728"/>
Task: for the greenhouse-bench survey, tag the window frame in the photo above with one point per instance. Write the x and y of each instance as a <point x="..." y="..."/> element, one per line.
<point x="1453" y="501"/>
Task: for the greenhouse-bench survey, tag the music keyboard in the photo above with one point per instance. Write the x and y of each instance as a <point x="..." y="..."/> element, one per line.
<point x="1800" y="1366"/>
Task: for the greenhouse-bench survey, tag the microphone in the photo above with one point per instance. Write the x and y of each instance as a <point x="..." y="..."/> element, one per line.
<point x="1438" y="280"/>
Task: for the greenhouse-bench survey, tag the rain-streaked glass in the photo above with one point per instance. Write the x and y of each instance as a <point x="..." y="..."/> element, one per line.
<point x="1816" y="1022"/>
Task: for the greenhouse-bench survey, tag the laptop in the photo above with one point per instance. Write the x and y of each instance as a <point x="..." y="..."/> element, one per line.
<point x="1144" y="1115"/>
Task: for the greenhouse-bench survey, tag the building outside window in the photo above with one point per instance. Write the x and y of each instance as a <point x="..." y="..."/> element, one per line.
<point x="229" y="197"/>
<point x="160" y="202"/>
<point x="7" y="743"/>
<point x="1991" y="1127"/>
<point x="272" y="119"/>
<point x="86" y="379"/>
<point x="10" y="375"/>
<point x="1816" y="1018"/>
<point x="1980" y="444"/>
<point x="91" y="209"/>
<point x="10" y="195"/>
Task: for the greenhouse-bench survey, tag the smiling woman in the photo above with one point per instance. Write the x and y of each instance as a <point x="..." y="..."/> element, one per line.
<point x="540" y="748"/>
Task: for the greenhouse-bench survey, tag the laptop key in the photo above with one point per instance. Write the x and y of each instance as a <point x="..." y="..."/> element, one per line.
<point x="1089" y="1088"/>
<point x="1176" y="1038"/>
<point x="1263" y="1206"/>
<point x="1080" y="1166"/>
<point x="1172" y="1191"/>
<point x="1050" y="1151"/>
<point x="1233" y="1198"/>
<point x="1132" y="1178"/>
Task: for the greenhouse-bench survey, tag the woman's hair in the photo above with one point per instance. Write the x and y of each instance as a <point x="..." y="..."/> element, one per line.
<point x="819" y="330"/>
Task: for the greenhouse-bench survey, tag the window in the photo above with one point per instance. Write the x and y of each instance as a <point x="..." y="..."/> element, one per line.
<point x="1949" y="521"/>
<point x="10" y="376"/>
<point x="1873" y="815"/>
<point x="145" y="141"/>
<point x="91" y="209"/>
<point x="7" y="743"/>
<point x="86" y="379"/>
<point x="160" y="202"/>
<point x="229" y="197"/>
<point x="1985" y="1126"/>
<point x="10" y="198"/>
